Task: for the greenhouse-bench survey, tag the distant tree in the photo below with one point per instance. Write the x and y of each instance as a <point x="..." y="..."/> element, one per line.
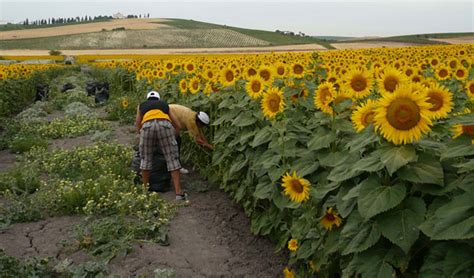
<point x="27" y="22"/>
<point x="140" y="16"/>
<point x="148" y="16"/>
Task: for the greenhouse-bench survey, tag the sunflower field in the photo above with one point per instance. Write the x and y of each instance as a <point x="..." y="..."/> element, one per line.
<point x="358" y="162"/>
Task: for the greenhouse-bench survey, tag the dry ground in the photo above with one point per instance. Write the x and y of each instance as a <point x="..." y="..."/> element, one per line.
<point x="130" y="24"/>
<point x="458" y="40"/>
<point x="372" y="44"/>
<point x="209" y="238"/>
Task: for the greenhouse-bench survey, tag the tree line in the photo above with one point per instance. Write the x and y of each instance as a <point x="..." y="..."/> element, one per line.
<point x="77" y="19"/>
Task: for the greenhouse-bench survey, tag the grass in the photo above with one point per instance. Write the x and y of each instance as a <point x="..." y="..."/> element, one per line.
<point x="14" y="27"/>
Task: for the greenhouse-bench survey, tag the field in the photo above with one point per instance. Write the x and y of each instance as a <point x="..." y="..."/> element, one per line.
<point x="350" y="162"/>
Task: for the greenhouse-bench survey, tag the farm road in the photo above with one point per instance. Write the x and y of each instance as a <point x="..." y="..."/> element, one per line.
<point x="209" y="238"/>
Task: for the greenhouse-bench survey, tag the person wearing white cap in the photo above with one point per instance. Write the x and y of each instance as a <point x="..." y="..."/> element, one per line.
<point x="192" y="122"/>
<point x="157" y="127"/>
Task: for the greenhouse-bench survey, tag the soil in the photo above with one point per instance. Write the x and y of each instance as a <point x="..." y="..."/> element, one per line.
<point x="164" y="51"/>
<point x="208" y="238"/>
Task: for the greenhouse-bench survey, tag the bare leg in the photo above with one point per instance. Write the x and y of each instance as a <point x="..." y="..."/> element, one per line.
<point x="175" y="177"/>
<point x="146" y="177"/>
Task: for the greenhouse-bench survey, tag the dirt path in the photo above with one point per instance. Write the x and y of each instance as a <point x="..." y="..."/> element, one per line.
<point x="209" y="238"/>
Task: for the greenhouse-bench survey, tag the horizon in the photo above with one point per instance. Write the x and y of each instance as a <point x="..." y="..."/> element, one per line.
<point x="314" y="18"/>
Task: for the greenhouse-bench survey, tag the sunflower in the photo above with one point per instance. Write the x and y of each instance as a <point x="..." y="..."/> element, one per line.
<point x="293" y="245"/>
<point x="169" y="66"/>
<point x="266" y="74"/>
<point x="255" y="87"/>
<point x="330" y="219"/>
<point x="183" y="86"/>
<point x="442" y="73"/>
<point x="458" y="130"/>
<point x="250" y="71"/>
<point x="390" y="79"/>
<point x="194" y="85"/>
<point x="460" y="73"/>
<point x="313" y="266"/>
<point x="453" y="63"/>
<point x="297" y="70"/>
<point x="402" y="117"/>
<point x="272" y="103"/>
<point x="441" y="100"/>
<point x="296" y="188"/>
<point x="364" y="115"/>
<point x="209" y="74"/>
<point x="227" y="77"/>
<point x="125" y="103"/>
<point x="470" y="88"/>
<point x="324" y="96"/>
<point x="358" y="82"/>
<point x="280" y="70"/>
<point x="287" y="273"/>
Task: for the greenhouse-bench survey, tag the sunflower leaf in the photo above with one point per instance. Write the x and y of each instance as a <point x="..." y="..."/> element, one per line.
<point x="244" y="119"/>
<point x="461" y="146"/>
<point x="448" y="259"/>
<point x="263" y="190"/>
<point x="426" y="170"/>
<point x="467" y="119"/>
<point x="375" y="198"/>
<point x="322" y="140"/>
<point x="453" y="220"/>
<point x="363" y="139"/>
<point x="400" y="225"/>
<point x="264" y="135"/>
<point x="357" y="235"/>
<point x="371" y="263"/>
<point x="395" y="157"/>
<point x="370" y="163"/>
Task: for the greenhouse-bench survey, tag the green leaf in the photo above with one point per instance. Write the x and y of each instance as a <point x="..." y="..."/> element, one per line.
<point x="322" y="140"/>
<point x="331" y="159"/>
<point x="466" y="119"/>
<point x="358" y="235"/>
<point x="345" y="206"/>
<point x="465" y="182"/>
<point x="319" y="191"/>
<point x="460" y="146"/>
<point x="465" y="166"/>
<point x="448" y="259"/>
<point x="239" y="164"/>
<point x="371" y="263"/>
<point x="263" y="190"/>
<point x="305" y="250"/>
<point x="375" y="198"/>
<point x="344" y="171"/>
<point x="426" y="170"/>
<point x="370" y="163"/>
<point x="263" y="136"/>
<point x="361" y="140"/>
<point x="400" y="225"/>
<point x="395" y="157"/>
<point x="244" y="119"/>
<point x="454" y="220"/>
<point x="282" y="201"/>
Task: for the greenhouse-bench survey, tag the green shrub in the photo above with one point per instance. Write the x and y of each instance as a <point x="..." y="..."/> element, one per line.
<point x="24" y="143"/>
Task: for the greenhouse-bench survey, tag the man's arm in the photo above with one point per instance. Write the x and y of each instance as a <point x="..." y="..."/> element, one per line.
<point x="201" y="140"/>
<point x="138" y="120"/>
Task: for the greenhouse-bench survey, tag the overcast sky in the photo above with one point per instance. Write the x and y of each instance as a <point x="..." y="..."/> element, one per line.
<point x="317" y="17"/>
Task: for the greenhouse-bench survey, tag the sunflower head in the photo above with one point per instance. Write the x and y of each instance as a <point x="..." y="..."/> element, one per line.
<point x="330" y="219"/>
<point x="358" y="82"/>
<point x="183" y="86"/>
<point x="293" y="245"/>
<point x="324" y="96"/>
<point x="443" y="73"/>
<point x="297" y="70"/>
<point x="459" y="129"/>
<point x="470" y="88"/>
<point x="255" y="87"/>
<point x="295" y="187"/>
<point x="460" y="73"/>
<point x="441" y="100"/>
<point x="363" y="116"/>
<point x="288" y="273"/>
<point x="272" y="103"/>
<point x="266" y="74"/>
<point x="227" y="77"/>
<point x="402" y="117"/>
<point x="125" y="103"/>
<point x="390" y="79"/>
<point x="194" y="85"/>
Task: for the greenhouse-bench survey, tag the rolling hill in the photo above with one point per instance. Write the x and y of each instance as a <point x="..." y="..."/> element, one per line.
<point x="171" y="33"/>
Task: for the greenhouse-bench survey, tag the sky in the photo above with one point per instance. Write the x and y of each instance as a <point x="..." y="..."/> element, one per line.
<point x="317" y="17"/>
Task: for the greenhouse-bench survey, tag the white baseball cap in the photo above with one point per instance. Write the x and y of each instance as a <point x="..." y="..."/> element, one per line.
<point x="203" y="117"/>
<point x="154" y="94"/>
